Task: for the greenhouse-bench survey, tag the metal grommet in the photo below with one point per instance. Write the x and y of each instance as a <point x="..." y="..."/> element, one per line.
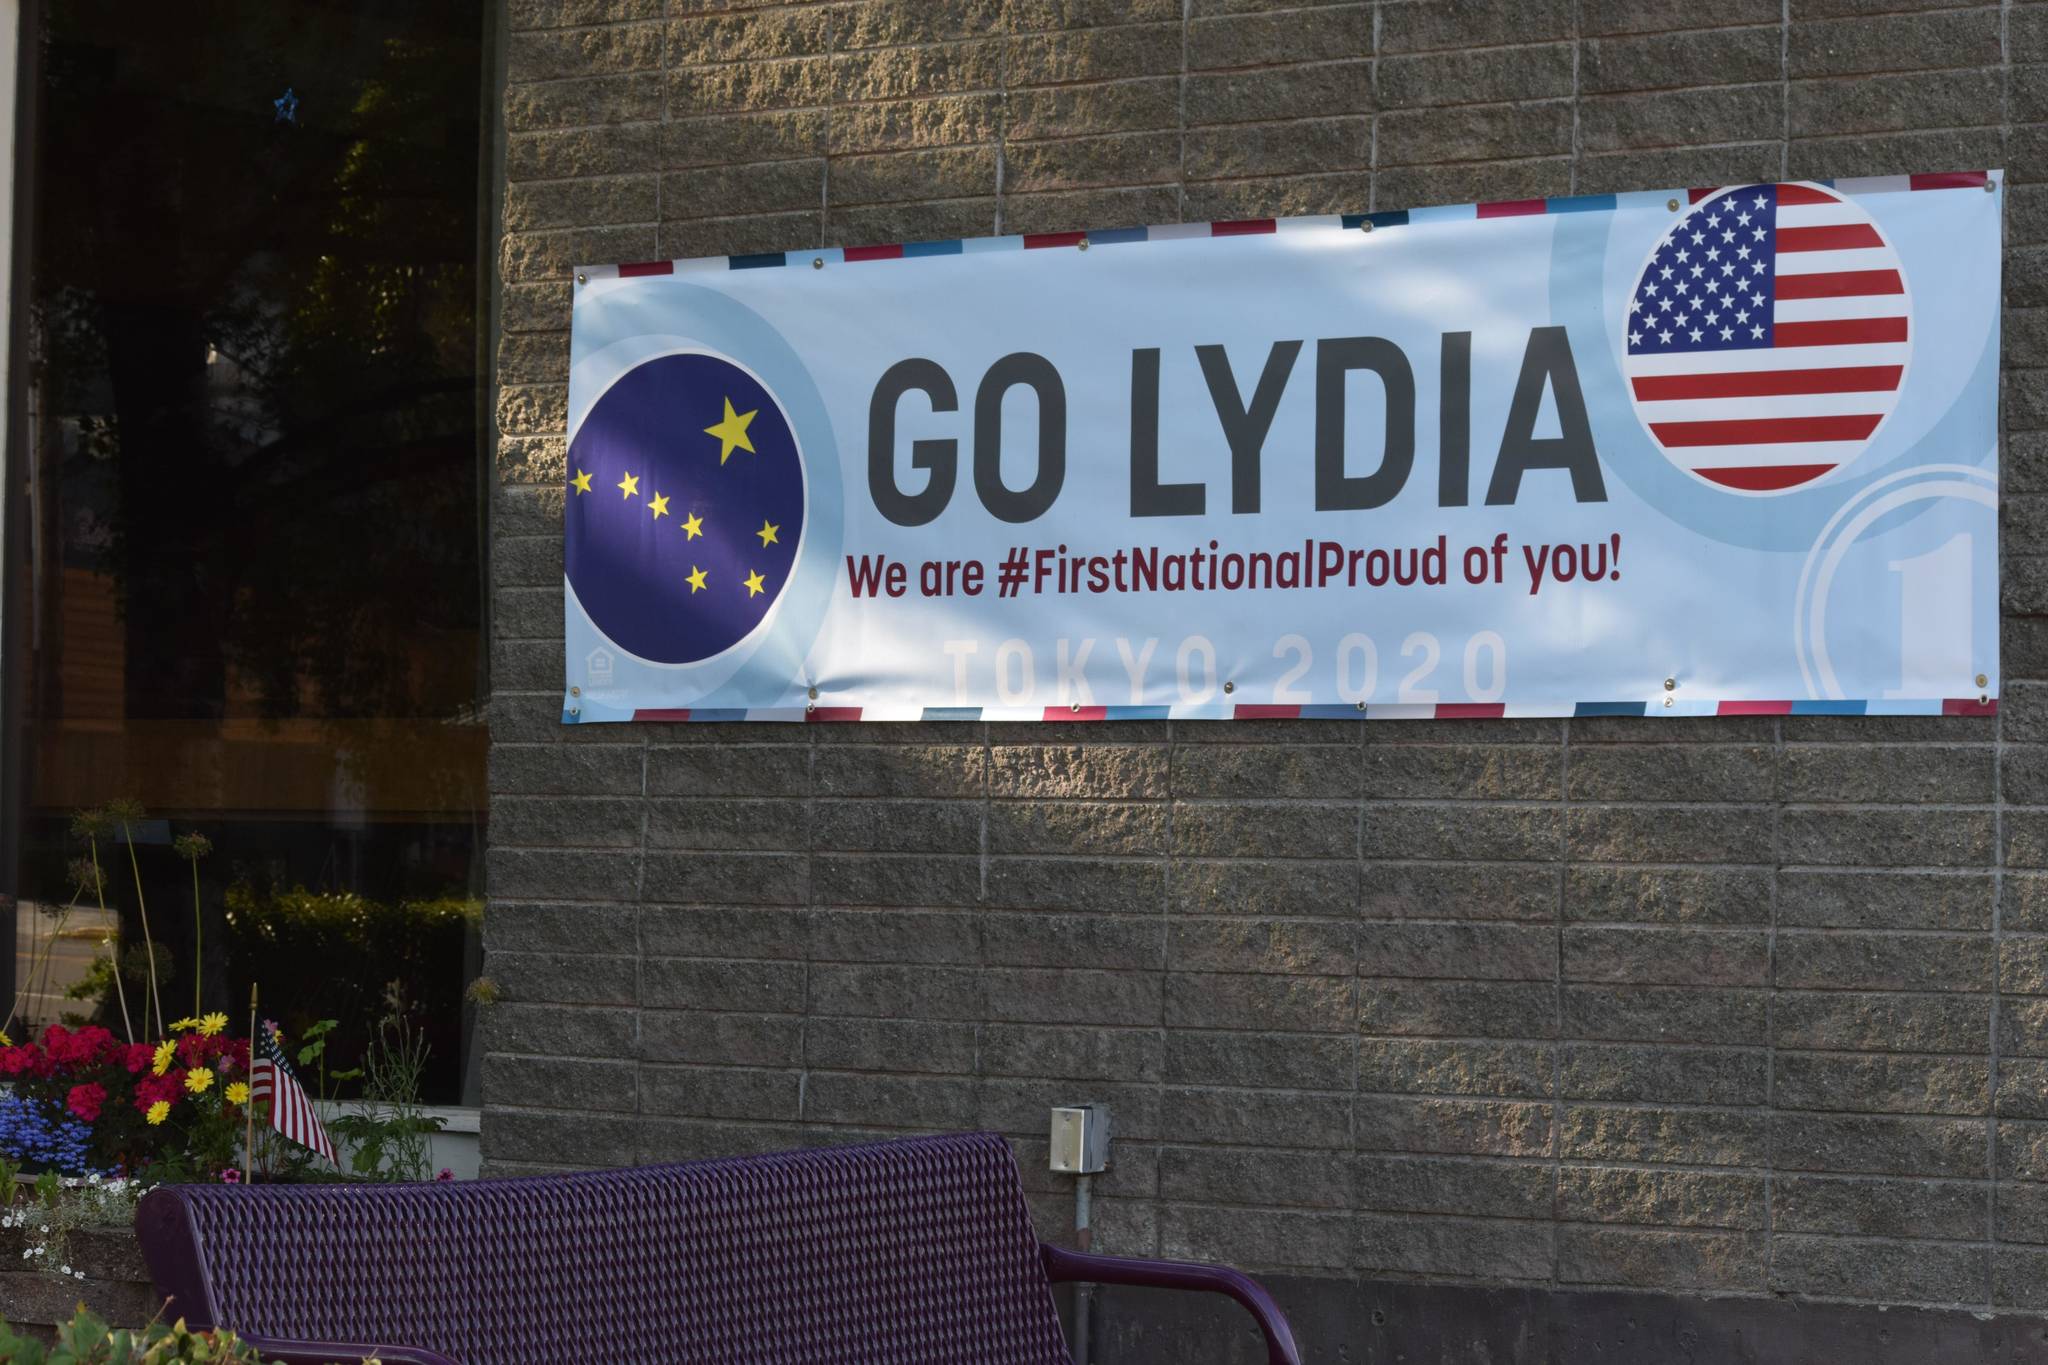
<point x="809" y="707"/>
<point x="1365" y="226"/>
<point x="577" y="691"/>
<point x="1984" y="700"/>
<point x="1672" y="205"/>
<point x="1077" y="708"/>
<point x="1990" y="185"/>
<point x="1671" y="684"/>
<point x="1083" y="244"/>
<point x="1982" y="680"/>
<point x="1361" y="706"/>
<point x="1228" y="688"/>
<point x="1668" y="701"/>
<point x="817" y="262"/>
<point x="575" y="711"/>
<point x="813" y="694"/>
<point x="582" y="278"/>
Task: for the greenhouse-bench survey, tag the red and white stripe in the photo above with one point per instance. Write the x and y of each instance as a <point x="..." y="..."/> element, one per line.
<point x="291" y="1111"/>
<point x="1771" y="420"/>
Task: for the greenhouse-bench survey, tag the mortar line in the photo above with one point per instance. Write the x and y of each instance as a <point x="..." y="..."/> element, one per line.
<point x="1564" y="862"/>
<point x="661" y="249"/>
<point x="1771" y="1001"/>
<point x="1997" y="766"/>
<point x="1997" y="1007"/>
<point x="640" y="953"/>
<point x="1002" y="142"/>
<point x="1572" y="169"/>
<point x="1372" y="179"/>
<point x="1357" y="1003"/>
<point x="1165" y="982"/>
<point x="825" y="164"/>
<point x="803" y="1018"/>
<point x="1180" y="186"/>
<point x="1785" y="89"/>
<point x="1997" y="761"/>
<point x="981" y="910"/>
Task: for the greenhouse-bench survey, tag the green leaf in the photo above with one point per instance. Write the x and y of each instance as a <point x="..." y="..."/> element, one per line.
<point x="88" y="1332"/>
<point x="22" y="1350"/>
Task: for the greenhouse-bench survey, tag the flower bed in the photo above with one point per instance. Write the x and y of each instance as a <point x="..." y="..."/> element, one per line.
<point x="102" y="1268"/>
<point x="85" y="1101"/>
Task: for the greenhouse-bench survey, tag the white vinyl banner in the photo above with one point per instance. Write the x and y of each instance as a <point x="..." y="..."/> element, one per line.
<point x="1677" y="453"/>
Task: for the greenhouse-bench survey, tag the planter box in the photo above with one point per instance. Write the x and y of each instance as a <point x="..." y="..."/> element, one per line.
<point x="116" y="1283"/>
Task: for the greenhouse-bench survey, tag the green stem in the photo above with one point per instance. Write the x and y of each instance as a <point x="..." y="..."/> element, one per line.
<point x="99" y="886"/>
<point x="198" y="941"/>
<point x="40" y="958"/>
<point x="148" y="944"/>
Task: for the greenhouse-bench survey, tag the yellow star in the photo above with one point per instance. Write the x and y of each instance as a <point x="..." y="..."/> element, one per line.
<point x="696" y="579"/>
<point x="732" y="431"/>
<point x="581" y="482"/>
<point x="693" y="526"/>
<point x="659" y="505"/>
<point x="629" y="485"/>
<point x="753" y="585"/>
<point x="767" y="533"/>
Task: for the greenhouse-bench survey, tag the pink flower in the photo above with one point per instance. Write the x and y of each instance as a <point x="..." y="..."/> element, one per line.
<point x="85" y="1101"/>
<point x="444" y="1174"/>
<point x="230" y="1176"/>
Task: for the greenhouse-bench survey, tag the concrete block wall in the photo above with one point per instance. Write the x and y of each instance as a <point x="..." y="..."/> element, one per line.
<point x="1751" y="1006"/>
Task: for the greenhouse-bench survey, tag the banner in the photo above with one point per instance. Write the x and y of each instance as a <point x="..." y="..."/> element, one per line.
<point x="1687" y="452"/>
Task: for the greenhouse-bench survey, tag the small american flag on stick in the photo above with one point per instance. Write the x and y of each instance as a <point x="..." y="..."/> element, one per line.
<point x="291" y="1111"/>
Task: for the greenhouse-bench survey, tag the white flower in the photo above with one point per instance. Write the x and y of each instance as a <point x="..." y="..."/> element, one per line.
<point x="63" y="1270"/>
<point x="78" y="1274"/>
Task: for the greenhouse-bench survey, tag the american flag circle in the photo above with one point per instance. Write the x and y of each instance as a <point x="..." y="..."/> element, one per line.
<point x="1767" y="336"/>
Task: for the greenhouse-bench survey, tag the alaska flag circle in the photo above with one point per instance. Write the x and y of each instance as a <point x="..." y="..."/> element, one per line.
<point x="685" y="508"/>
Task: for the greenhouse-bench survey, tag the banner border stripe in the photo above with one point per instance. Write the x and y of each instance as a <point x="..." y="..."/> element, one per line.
<point x="1381" y="711"/>
<point x="1160" y="232"/>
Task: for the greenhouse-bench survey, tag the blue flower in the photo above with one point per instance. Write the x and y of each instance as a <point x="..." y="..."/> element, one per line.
<point x="34" y="1132"/>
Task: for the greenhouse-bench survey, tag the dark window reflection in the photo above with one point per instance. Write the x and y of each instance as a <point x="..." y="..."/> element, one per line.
<point x="250" y="581"/>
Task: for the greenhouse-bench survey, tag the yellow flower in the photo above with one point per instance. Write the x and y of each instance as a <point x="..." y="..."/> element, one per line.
<point x="212" y="1024"/>
<point x="166" y="1053"/>
<point x="238" y="1092"/>
<point x="159" y="1111"/>
<point x="197" y="1079"/>
<point x="184" y="1025"/>
<point x="5" y="1041"/>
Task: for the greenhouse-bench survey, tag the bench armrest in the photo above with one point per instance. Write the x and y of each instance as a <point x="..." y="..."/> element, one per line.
<point x="293" y="1352"/>
<point x="1063" y="1266"/>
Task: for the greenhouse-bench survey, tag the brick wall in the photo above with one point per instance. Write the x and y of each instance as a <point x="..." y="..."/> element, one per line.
<point x="1747" y="1005"/>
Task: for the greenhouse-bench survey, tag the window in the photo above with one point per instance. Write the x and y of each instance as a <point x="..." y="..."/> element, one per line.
<point x="245" y="574"/>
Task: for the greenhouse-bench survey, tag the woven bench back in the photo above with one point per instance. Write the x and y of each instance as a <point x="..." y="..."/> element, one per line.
<point x="912" y="1251"/>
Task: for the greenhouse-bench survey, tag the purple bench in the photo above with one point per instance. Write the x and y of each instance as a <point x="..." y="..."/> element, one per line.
<point x="914" y="1251"/>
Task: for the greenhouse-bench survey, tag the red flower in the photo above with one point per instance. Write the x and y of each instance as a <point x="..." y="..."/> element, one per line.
<point x="16" y="1060"/>
<point x="135" y="1057"/>
<point x="192" y="1049"/>
<point x="150" y="1089"/>
<point x="85" y="1101"/>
